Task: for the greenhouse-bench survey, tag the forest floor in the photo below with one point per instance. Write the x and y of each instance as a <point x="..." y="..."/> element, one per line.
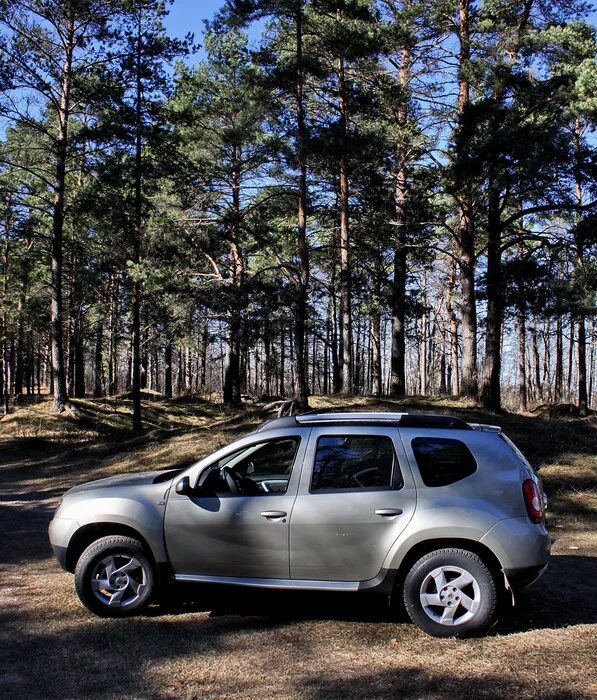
<point x="312" y="646"/>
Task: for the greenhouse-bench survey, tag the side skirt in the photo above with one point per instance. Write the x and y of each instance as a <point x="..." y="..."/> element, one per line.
<point x="382" y="583"/>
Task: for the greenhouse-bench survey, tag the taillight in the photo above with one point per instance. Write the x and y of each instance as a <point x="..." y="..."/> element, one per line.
<point x="532" y="500"/>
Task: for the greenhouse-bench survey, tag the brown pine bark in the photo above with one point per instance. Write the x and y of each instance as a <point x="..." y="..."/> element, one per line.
<point x="98" y="364"/>
<point x="465" y="239"/>
<point x="376" y="351"/>
<point x="583" y="401"/>
<point x="232" y="388"/>
<point x="137" y="233"/>
<point x="398" y="356"/>
<point x="300" y="388"/>
<point x="559" y="362"/>
<point x="168" y="370"/>
<point x="522" y="366"/>
<point x="345" y="270"/>
<point x="536" y="363"/>
<point x="454" y="374"/>
<point x="56" y="307"/>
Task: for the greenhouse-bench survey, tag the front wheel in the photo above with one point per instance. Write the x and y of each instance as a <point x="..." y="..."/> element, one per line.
<point x="114" y="577"/>
<point x="451" y="593"/>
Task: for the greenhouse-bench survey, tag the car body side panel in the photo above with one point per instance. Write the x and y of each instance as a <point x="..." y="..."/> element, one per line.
<point x="228" y="535"/>
<point x="337" y="535"/>
<point x="495" y="488"/>
<point x="140" y="508"/>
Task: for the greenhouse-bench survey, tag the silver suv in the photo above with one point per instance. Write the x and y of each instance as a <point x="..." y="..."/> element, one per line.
<point x="445" y="513"/>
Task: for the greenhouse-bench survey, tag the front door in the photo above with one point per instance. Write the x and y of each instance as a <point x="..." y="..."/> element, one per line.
<point x="236" y="524"/>
<point x="355" y="498"/>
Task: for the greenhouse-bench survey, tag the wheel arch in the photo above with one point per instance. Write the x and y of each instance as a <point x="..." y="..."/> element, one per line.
<point x="426" y="546"/>
<point x="91" y="532"/>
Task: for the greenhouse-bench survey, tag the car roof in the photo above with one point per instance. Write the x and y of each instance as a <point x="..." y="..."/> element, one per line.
<point x="403" y="420"/>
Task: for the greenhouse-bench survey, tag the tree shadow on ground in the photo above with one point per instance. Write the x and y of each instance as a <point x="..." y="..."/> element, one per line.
<point x="118" y="658"/>
<point x="416" y="683"/>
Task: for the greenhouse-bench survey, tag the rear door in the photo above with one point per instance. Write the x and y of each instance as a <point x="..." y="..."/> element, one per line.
<point x="356" y="496"/>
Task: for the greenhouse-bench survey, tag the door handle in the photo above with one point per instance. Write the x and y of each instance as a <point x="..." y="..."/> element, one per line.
<point x="273" y="514"/>
<point x="388" y="512"/>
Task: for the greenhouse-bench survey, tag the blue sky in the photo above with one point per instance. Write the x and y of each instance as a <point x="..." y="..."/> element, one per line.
<point x="188" y="15"/>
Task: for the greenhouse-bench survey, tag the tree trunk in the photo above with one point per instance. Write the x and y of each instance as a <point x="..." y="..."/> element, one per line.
<point x="376" y="351"/>
<point x="204" y="345"/>
<point x="58" y="368"/>
<point x="536" y="363"/>
<point x="398" y="357"/>
<point x="4" y="321"/>
<point x="454" y="375"/>
<point x="20" y="350"/>
<point x="168" y="370"/>
<point x="559" y="368"/>
<point x="98" y="383"/>
<point x="282" y="388"/>
<point x="137" y="233"/>
<point x="490" y="390"/>
<point x="231" y="390"/>
<point x="301" y="390"/>
<point x="522" y="372"/>
<point x="570" y="361"/>
<point x="79" y="385"/>
<point x="345" y="269"/>
<point x="583" y="402"/>
<point x="465" y="241"/>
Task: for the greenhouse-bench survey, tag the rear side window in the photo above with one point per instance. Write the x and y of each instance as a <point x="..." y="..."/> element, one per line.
<point x="353" y="462"/>
<point x="443" y="461"/>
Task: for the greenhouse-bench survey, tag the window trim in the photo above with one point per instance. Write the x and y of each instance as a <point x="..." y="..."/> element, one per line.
<point x="444" y="439"/>
<point x="396" y="470"/>
<point x="258" y="444"/>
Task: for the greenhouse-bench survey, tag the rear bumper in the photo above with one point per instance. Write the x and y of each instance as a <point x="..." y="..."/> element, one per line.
<point x="520" y="546"/>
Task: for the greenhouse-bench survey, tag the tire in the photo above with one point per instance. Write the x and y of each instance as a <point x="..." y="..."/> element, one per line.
<point x="443" y="609"/>
<point x="121" y="564"/>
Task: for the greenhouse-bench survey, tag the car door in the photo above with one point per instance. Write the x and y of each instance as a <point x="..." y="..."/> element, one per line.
<point x="355" y="498"/>
<point x="215" y="532"/>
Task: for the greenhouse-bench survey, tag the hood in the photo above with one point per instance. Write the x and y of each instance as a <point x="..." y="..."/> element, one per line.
<point x="135" y="479"/>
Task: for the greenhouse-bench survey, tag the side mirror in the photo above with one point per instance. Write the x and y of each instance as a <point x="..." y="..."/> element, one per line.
<point x="183" y="486"/>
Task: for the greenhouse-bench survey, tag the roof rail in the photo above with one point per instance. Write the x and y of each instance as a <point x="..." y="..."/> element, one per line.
<point x="404" y="420"/>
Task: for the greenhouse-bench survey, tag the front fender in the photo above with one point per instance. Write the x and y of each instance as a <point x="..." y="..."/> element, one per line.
<point x="144" y="515"/>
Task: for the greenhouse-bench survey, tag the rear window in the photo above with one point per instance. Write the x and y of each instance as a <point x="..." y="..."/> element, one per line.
<point x="443" y="461"/>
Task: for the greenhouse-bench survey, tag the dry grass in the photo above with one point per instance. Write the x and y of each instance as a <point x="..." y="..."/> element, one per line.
<point x="259" y="645"/>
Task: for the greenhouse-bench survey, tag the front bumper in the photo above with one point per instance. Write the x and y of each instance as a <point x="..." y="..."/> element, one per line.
<point x="60" y="554"/>
<point x="60" y="532"/>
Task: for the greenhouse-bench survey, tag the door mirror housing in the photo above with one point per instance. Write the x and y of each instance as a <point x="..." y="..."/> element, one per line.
<point x="183" y="486"/>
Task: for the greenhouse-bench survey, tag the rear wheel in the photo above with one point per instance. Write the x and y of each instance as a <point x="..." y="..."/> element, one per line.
<point x="451" y="593"/>
<point x="114" y="577"/>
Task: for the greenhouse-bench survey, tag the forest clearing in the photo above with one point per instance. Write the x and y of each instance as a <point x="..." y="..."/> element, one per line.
<point x="284" y="644"/>
<point x="215" y="211"/>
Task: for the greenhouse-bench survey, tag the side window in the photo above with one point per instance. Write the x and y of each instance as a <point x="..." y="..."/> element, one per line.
<point x="257" y="470"/>
<point x="353" y="462"/>
<point x="443" y="461"/>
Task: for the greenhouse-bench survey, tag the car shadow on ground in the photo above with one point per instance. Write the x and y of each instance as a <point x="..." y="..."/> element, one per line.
<point x="562" y="597"/>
